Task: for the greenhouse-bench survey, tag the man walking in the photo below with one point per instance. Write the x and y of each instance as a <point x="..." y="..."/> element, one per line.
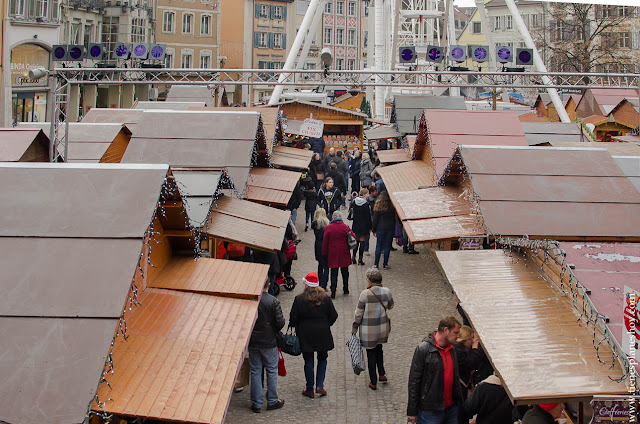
<point x="263" y="352"/>
<point x="434" y="388"/>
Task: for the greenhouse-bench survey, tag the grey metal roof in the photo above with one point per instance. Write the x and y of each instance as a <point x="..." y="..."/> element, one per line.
<point x="630" y="165"/>
<point x="408" y="109"/>
<point x="387" y="131"/>
<point x="14" y="143"/>
<point x="546" y="132"/>
<point x="169" y="105"/>
<point x="191" y="93"/>
<point x="197" y="189"/>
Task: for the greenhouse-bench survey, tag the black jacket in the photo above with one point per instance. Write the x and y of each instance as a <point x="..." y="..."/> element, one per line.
<point x="316" y="167"/>
<point x="361" y="216"/>
<point x="490" y="401"/>
<point x="426" y="378"/>
<point x="341" y="162"/>
<point x="326" y="160"/>
<point x="269" y="321"/>
<point x="537" y="415"/>
<point x="296" y="198"/>
<point x="468" y="361"/>
<point x="354" y="168"/>
<point x="338" y="181"/>
<point x="317" y="144"/>
<point x="313" y="323"/>
<point x="311" y="199"/>
<point x="332" y="205"/>
<point x="384" y="220"/>
<point x="319" y="232"/>
<point x="268" y="258"/>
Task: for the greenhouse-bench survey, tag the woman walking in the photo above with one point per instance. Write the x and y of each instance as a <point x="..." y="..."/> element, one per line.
<point x="317" y="171"/>
<point x="329" y="197"/>
<point x="354" y="171"/>
<point x="336" y="248"/>
<point x="312" y="315"/>
<point x="320" y="222"/>
<point x="383" y="225"/>
<point x="372" y="319"/>
<point x="366" y="168"/>
<point x="310" y="202"/>
<point x="361" y="223"/>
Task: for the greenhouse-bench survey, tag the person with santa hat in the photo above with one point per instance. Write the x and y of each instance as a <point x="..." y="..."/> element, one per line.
<point x="543" y="413"/>
<point x="312" y="315"/>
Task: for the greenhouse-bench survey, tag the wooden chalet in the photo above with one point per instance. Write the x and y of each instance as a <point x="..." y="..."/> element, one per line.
<point x="601" y="101"/>
<point x="92" y="142"/>
<point x="126" y="117"/>
<point x="544" y="133"/>
<point x="349" y="102"/>
<point x="407" y="110"/>
<point x="23" y="145"/>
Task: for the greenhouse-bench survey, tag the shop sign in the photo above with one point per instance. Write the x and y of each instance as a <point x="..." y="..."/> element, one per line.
<point x="470" y="243"/>
<point x="631" y="331"/>
<point x="312" y="128"/>
<point x="23" y="59"/>
<point x="608" y="410"/>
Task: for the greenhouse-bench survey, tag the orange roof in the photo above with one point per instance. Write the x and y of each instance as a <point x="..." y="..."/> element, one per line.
<point x="532" y="117"/>
<point x="595" y="119"/>
<point x="271" y="186"/>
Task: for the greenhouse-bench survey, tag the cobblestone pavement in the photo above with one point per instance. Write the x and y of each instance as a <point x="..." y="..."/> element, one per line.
<point x="422" y="297"/>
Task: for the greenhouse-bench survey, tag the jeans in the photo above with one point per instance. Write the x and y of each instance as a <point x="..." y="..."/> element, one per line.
<point x="294" y="216"/>
<point x="323" y="272"/>
<point x="267" y="359"/>
<point x="375" y="360"/>
<point x="345" y="279"/>
<point x="448" y="416"/>
<point x="308" y="217"/>
<point x="383" y="242"/>
<point x="321" y="371"/>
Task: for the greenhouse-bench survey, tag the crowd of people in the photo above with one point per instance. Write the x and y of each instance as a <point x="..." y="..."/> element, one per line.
<point x="450" y="378"/>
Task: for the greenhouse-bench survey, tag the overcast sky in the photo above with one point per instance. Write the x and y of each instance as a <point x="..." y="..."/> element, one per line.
<point x="471" y="3"/>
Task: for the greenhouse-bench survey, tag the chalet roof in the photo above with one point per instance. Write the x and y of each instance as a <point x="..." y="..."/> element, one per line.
<point x="630" y="165"/>
<point x="614" y="148"/>
<point x="73" y="227"/>
<point x="191" y="93"/>
<point x="155" y="105"/>
<point x="608" y="98"/>
<point x="271" y="186"/>
<point x="408" y="109"/>
<point x="128" y="117"/>
<point x="15" y="142"/>
<point x="318" y="105"/>
<point x="546" y="132"/>
<point x="214" y="139"/>
<point x="382" y="132"/>
<point x="291" y="157"/>
<point x="407" y="176"/>
<point x="532" y="117"/>
<point x="198" y="187"/>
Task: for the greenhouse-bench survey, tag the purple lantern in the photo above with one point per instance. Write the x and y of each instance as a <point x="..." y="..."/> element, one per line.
<point x="121" y="50"/>
<point x="140" y="50"/>
<point x="504" y="54"/>
<point x="157" y="52"/>
<point x="457" y="53"/>
<point x="59" y="52"/>
<point x="480" y="53"/>
<point x="407" y="55"/>
<point x="435" y="55"/>
<point x="95" y="51"/>
<point x="75" y="53"/>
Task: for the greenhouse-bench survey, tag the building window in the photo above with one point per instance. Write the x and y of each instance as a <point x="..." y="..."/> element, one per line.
<point x="18" y="7"/>
<point x="351" y="64"/>
<point x="339" y="64"/>
<point x="535" y="21"/>
<point x="364" y="64"/>
<point x="277" y="40"/>
<point x="351" y="37"/>
<point x="277" y="12"/>
<point x="340" y="8"/>
<point x="42" y="8"/>
<point x="88" y="34"/>
<point x="34" y="9"/>
<point x="327" y="36"/>
<point x="187" y="60"/>
<point x="110" y="25"/>
<point x="263" y="11"/>
<point x="624" y="11"/>
<point x="365" y="39"/>
<point x="509" y="22"/>
<point x="625" y="40"/>
<point x="263" y="39"/>
<point x="74" y="36"/>
<point x="168" y="22"/>
<point x="328" y="8"/>
<point x="477" y="28"/>
<point x="366" y="8"/>
<point x="138" y="30"/>
<point x="496" y="23"/>
<point x="339" y="35"/>
<point x="187" y="23"/>
<point x="205" y="60"/>
<point x="205" y="25"/>
<point x="351" y="8"/>
<point x="168" y="59"/>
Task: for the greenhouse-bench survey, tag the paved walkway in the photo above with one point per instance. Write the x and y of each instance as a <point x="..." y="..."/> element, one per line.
<point x="422" y="297"/>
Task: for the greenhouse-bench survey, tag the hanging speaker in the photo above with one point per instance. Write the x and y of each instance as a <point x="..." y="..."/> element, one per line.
<point x="479" y="53"/>
<point x="504" y="54"/>
<point x="407" y="54"/>
<point x="95" y="51"/>
<point x="458" y="53"/>
<point x="524" y="57"/>
<point x="59" y="53"/>
<point x="121" y="51"/>
<point x="140" y="51"/>
<point x="435" y="54"/>
<point x="157" y="51"/>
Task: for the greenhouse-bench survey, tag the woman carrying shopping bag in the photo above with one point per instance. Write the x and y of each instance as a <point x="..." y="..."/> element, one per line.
<point x="372" y="319"/>
<point x="312" y="315"/>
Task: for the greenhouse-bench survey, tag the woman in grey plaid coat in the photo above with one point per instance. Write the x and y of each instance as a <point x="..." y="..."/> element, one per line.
<point x="374" y="323"/>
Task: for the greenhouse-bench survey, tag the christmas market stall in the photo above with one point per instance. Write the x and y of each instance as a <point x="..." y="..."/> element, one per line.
<point x="91" y="142"/>
<point x="128" y="117"/>
<point x="271" y="186"/>
<point x="630" y="165"/>
<point x="23" y="145"/>
<point x="407" y="109"/>
<point x="543" y="133"/>
<point x="191" y="93"/>
<point x="614" y="148"/>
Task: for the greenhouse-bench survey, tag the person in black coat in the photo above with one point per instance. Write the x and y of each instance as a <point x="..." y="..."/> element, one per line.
<point x="338" y="178"/>
<point x="312" y="315"/>
<point x="274" y="260"/>
<point x="294" y="201"/>
<point x="310" y="202"/>
<point x="320" y="222"/>
<point x="383" y="226"/>
<point x="317" y="144"/>
<point x="329" y="197"/>
<point x="490" y="401"/>
<point x="544" y="413"/>
<point x="354" y="171"/>
<point x="469" y="359"/>
<point x="361" y="213"/>
<point x="317" y="171"/>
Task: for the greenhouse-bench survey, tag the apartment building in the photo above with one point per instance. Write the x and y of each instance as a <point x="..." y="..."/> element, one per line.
<point x="190" y="29"/>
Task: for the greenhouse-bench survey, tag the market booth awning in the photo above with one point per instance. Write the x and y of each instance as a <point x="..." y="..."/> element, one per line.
<point x="271" y="186"/>
<point x="291" y="157"/>
<point x="23" y="145"/>
<point x="248" y="223"/>
<point x="382" y="132"/>
<point x="407" y="176"/>
<point x="128" y="117"/>
<point x="388" y="157"/>
<point x="529" y="330"/>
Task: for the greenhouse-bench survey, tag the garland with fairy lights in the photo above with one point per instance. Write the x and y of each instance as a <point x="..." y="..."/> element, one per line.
<point x="548" y="252"/>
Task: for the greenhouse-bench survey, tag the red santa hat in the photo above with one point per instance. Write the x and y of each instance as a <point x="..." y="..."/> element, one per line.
<point x="547" y="406"/>
<point x="311" y="279"/>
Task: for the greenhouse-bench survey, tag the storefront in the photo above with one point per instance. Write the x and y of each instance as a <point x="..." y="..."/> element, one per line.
<point x="29" y="97"/>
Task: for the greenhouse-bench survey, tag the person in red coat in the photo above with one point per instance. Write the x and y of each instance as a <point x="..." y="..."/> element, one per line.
<point x="336" y="248"/>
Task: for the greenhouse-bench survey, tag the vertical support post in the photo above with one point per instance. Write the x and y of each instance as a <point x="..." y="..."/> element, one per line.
<point x="142" y="92"/>
<point x="309" y="37"/>
<point x="580" y="418"/>
<point x="127" y="96"/>
<point x="114" y="96"/>
<point x="59" y="133"/>
<point x="89" y="97"/>
<point x="74" y="102"/>
<point x="379" y="56"/>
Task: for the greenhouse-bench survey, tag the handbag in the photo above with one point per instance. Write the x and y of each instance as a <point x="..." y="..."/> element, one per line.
<point x="350" y="214"/>
<point x="282" y="371"/>
<point x="385" y="310"/>
<point x="291" y="343"/>
<point x="357" y="357"/>
<point x="320" y="176"/>
<point x="351" y="240"/>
